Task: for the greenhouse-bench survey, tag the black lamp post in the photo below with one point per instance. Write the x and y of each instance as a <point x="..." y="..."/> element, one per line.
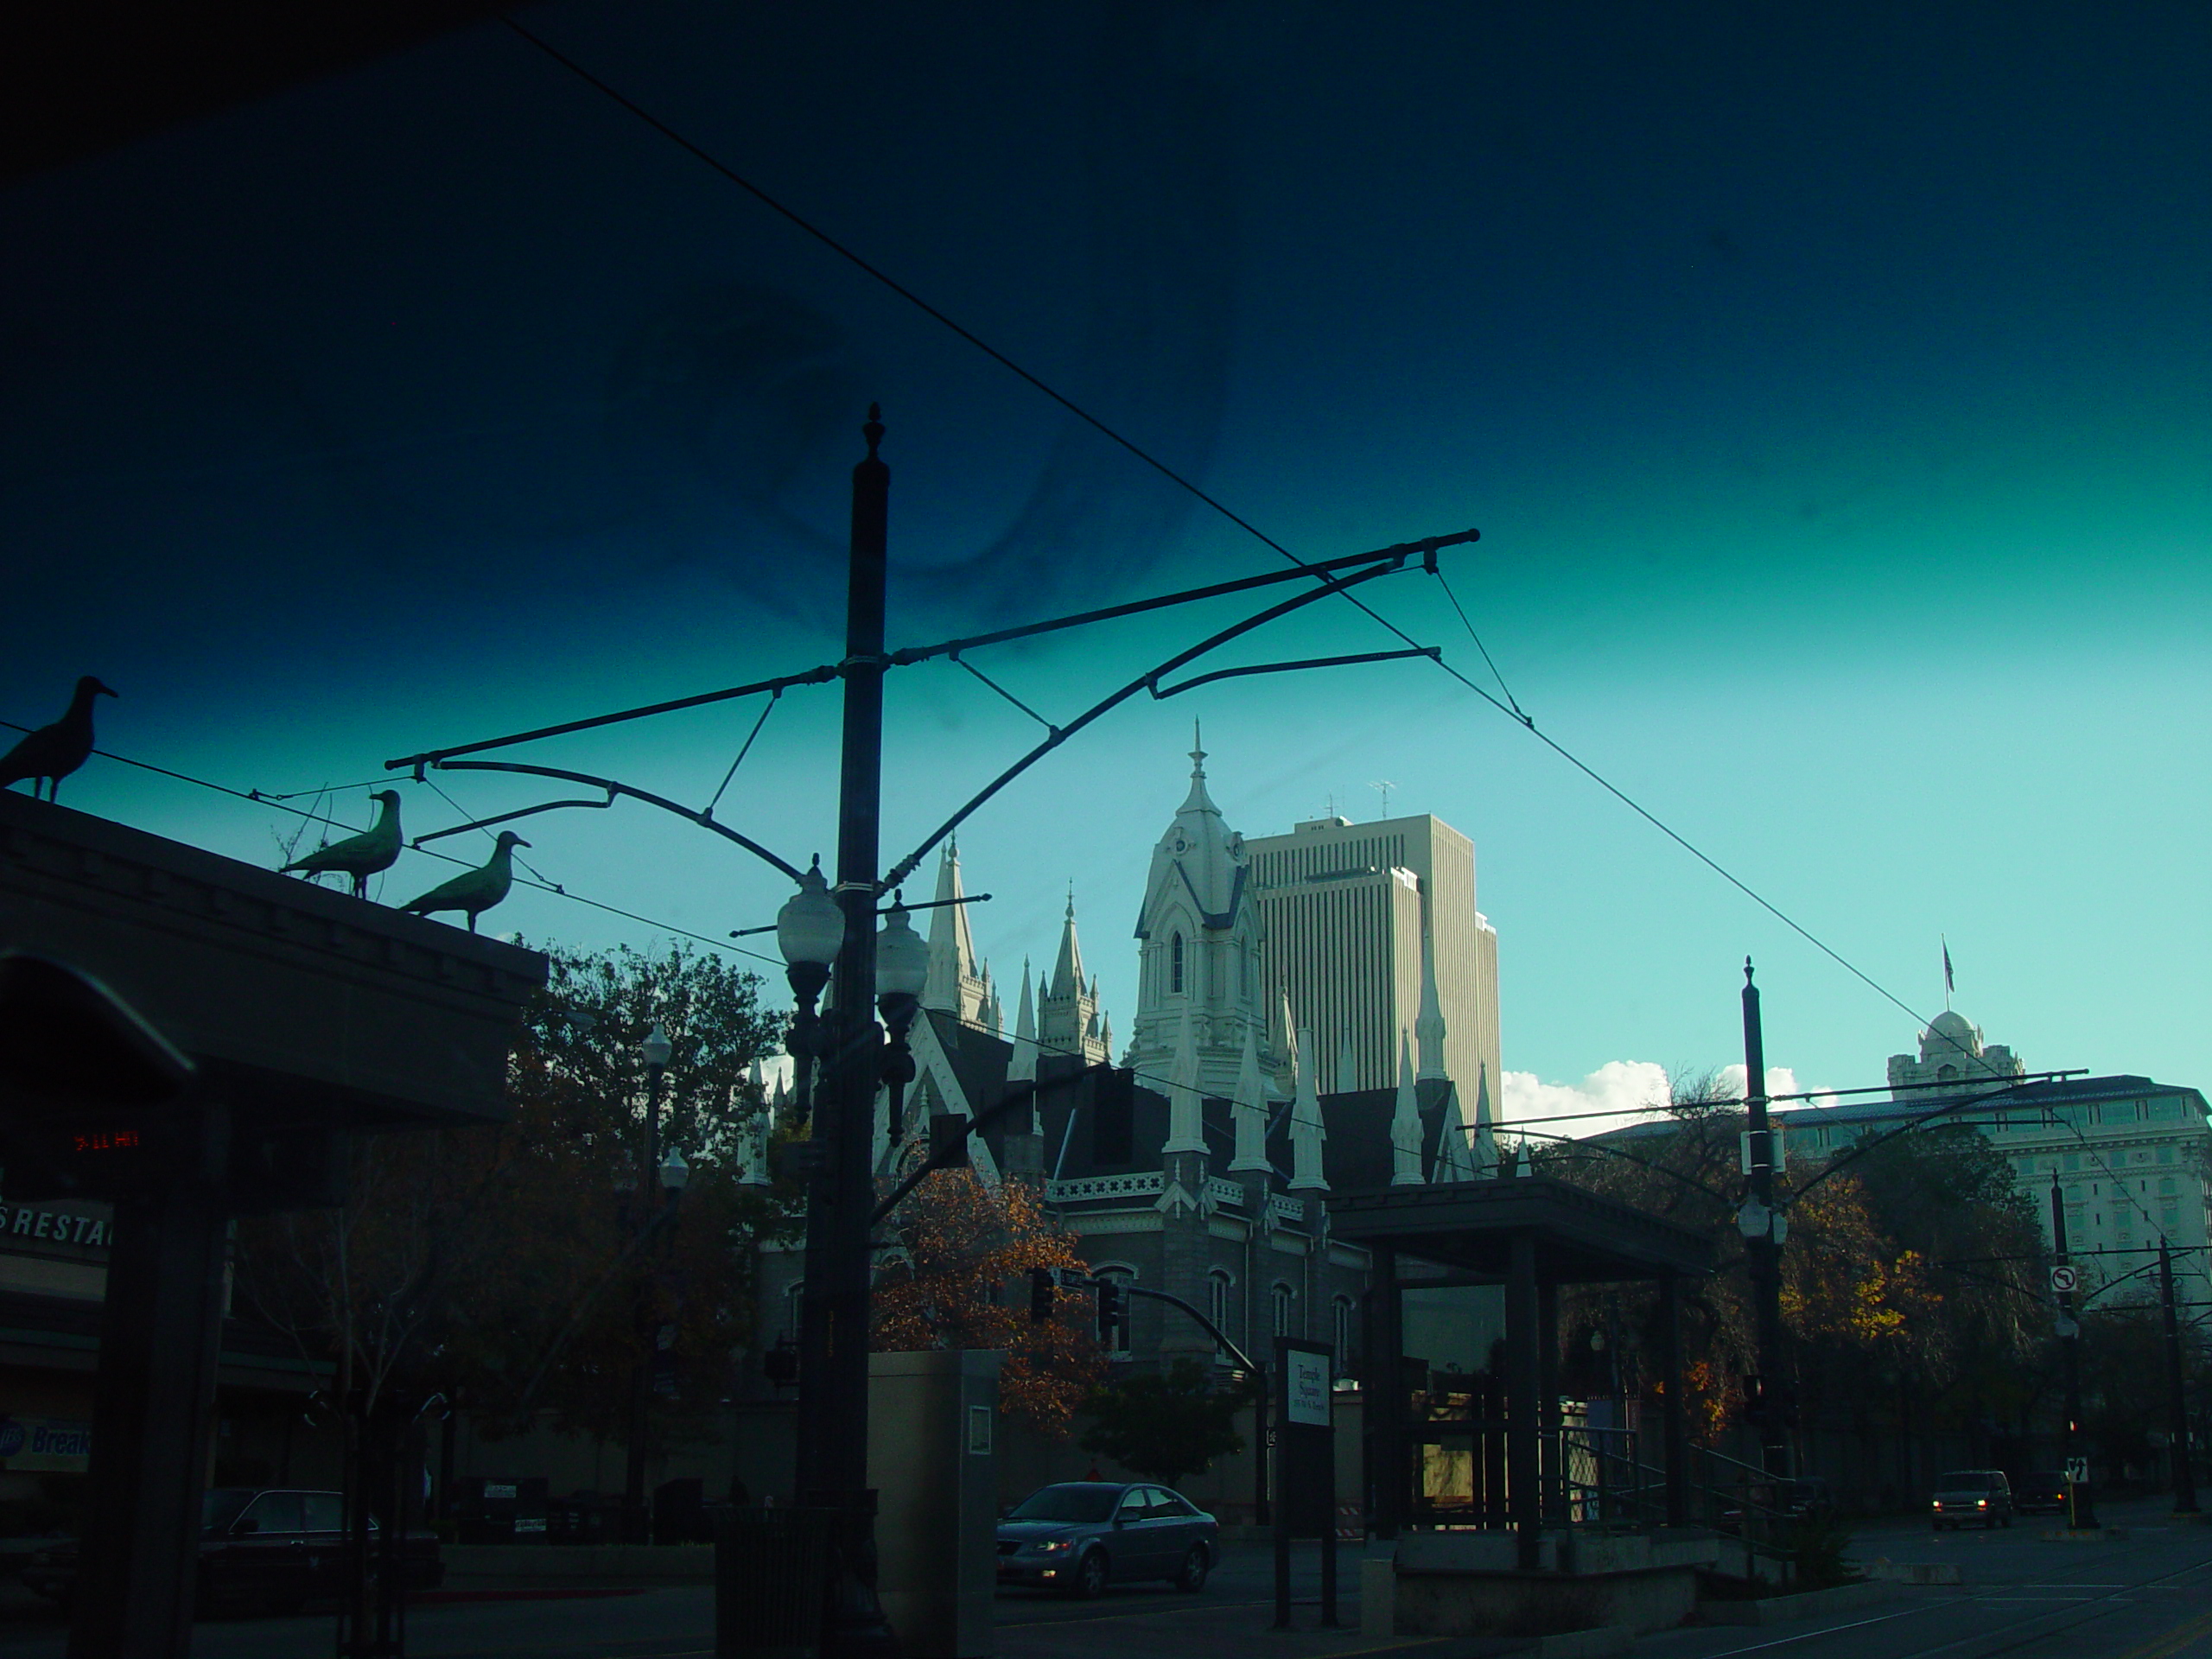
<point x="810" y="928"/>
<point x="902" y="969"/>
<point x="655" y="1052"/>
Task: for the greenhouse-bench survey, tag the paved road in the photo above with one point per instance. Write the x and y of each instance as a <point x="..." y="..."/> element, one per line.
<point x="2149" y="1597"/>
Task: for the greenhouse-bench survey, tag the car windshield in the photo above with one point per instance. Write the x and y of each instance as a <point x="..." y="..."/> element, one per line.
<point x="219" y="1508"/>
<point x="1968" y="1480"/>
<point x="1066" y="1503"/>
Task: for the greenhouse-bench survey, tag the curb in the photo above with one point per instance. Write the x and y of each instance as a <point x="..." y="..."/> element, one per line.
<point x="1783" y="1609"/>
<point x="1606" y="1639"/>
<point x="1888" y="1572"/>
<point x="2085" y="1536"/>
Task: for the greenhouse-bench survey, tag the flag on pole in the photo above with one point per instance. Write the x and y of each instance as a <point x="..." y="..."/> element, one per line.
<point x="1947" y="987"/>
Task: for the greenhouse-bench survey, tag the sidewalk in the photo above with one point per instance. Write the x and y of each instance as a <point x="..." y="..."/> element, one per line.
<point x="1188" y="1632"/>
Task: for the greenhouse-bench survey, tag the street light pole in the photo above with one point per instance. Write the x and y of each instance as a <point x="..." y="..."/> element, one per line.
<point x="636" y="1527"/>
<point x="2176" y="1394"/>
<point x="2080" y="1499"/>
<point x="832" y="1450"/>
<point x="1762" y="1248"/>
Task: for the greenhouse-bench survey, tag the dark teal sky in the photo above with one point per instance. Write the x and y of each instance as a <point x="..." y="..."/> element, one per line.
<point x="1830" y="388"/>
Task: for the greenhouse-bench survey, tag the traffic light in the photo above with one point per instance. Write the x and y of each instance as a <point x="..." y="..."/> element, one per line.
<point x="1041" y="1289"/>
<point x="1111" y="1316"/>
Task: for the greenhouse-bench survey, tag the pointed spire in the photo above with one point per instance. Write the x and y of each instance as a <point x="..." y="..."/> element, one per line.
<point x="1486" y="1147"/>
<point x="1428" y="1025"/>
<point x="1197" y="800"/>
<point x="1405" y="1122"/>
<point x="1286" y="1033"/>
<point x="954" y="984"/>
<point x="757" y="1122"/>
<point x="1248" y="1111"/>
<point x="1067" y="971"/>
<point x="1186" y="1120"/>
<point x="1347" y="1066"/>
<point x="1022" y="1067"/>
<point x="1307" y="1133"/>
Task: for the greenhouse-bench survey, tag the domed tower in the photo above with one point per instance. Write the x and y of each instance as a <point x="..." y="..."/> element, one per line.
<point x="1198" y="957"/>
<point x="1951" y="1052"/>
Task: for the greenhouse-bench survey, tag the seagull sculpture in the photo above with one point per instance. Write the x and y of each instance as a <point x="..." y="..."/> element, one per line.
<point x="52" y="752"/>
<point x="375" y="851"/>
<point x="475" y="891"/>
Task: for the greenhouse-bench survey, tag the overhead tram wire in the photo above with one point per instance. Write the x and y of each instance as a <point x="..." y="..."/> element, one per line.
<point x="265" y="797"/>
<point x="1510" y="708"/>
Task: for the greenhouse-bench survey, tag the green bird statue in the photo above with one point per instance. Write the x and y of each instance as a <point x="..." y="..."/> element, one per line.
<point x="375" y="851"/>
<point x="475" y="891"/>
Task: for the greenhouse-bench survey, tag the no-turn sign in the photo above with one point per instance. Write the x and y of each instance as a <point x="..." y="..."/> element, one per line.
<point x="2063" y="1278"/>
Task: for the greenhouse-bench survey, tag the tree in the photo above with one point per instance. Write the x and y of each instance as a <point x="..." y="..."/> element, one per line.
<point x="1165" y="1425"/>
<point x="965" y="1248"/>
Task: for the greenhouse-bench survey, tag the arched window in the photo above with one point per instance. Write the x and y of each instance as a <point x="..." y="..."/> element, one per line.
<point x="1175" y="964"/>
<point x="1218" y="1298"/>
<point x="1341" y="1336"/>
<point x="1281" y="1298"/>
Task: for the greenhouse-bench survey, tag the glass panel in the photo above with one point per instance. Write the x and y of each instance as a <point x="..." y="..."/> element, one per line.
<point x="323" y="1511"/>
<point x="275" y="1512"/>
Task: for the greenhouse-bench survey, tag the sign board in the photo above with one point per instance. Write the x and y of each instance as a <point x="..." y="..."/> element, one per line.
<point x="2077" y="1470"/>
<point x="1305" y="1388"/>
<point x="45" y="1445"/>
<point x="2064" y="1277"/>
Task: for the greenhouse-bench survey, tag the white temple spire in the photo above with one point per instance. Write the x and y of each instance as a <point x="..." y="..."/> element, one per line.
<point x="1249" y="1112"/>
<point x="757" y="1123"/>
<point x="1021" y="1067"/>
<point x="1306" y="1130"/>
<point x="1347" y="1066"/>
<point x="1428" y="1025"/>
<point x="1405" y="1122"/>
<point x="956" y="984"/>
<point x="1486" y="1148"/>
<point x="1185" y="1115"/>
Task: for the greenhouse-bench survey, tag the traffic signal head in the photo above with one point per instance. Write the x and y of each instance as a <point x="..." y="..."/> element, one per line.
<point x="1111" y="1317"/>
<point x="1041" y="1289"/>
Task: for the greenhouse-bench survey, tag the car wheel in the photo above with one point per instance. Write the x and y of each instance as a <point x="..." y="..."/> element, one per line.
<point x="1091" y="1573"/>
<point x="1195" y="1566"/>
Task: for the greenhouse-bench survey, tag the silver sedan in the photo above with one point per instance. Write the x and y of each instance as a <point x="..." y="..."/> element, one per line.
<point x="1080" y="1536"/>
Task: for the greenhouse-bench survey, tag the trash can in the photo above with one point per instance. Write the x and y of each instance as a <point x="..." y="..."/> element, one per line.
<point x="771" y="1582"/>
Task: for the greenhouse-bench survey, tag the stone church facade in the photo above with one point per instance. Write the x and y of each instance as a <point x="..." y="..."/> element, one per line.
<point x="1201" y="1163"/>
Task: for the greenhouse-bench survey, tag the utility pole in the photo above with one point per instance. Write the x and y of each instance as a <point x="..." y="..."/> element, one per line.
<point x="2080" y="1500"/>
<point x="1760" y="1225"/>
<point x="2177" y="1394"/>
<point x="832" y="1450"/>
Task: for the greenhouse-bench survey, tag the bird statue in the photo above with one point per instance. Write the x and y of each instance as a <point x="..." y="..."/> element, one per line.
<point x="375" y="851"/>
<point x="475" y="891"/>
<point x="52" y="752"/>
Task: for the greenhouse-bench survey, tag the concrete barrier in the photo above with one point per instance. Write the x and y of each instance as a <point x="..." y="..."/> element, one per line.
<point x="468" y="1564"/>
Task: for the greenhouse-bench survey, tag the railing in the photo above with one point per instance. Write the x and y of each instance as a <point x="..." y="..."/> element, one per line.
<point x="1743" y="1500"/>
<point x="1142" y="1184"/>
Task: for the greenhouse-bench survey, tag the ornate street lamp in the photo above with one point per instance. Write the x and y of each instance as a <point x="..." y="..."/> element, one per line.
<point x="902" y="968"/>
<point x="810" y="928"/>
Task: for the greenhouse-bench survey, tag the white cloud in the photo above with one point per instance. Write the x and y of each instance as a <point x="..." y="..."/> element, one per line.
<point x="1618" y="1092"/>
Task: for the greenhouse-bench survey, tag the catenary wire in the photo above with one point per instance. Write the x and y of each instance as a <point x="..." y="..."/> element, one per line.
<point x="1509" y="709"/>
<point x="263" y="798"/>
<point x="746" y="748"/>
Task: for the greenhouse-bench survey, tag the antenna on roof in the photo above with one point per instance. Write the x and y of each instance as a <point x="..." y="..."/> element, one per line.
<point x="1386" y="787"/>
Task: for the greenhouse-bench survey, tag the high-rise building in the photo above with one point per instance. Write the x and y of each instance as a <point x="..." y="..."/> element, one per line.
<point x="1348" y="911"/>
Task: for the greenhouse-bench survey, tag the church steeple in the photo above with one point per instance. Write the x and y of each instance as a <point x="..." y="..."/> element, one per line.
<point x="1199" y="968"/>
<point x="1428" y="1025"/>
<point x="1307" y="1132"/>
<point x="1249" y="1112"/>
<point x="1021" y="1066"/>
<point x="1405" y="1123"/>
<point x="1067" y="1014"/>
<point x="957" y="984"/>
<point x="1185" y="1122"/>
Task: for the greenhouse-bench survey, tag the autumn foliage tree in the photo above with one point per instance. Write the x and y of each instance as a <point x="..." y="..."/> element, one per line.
<point x="959" y="1279"/>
